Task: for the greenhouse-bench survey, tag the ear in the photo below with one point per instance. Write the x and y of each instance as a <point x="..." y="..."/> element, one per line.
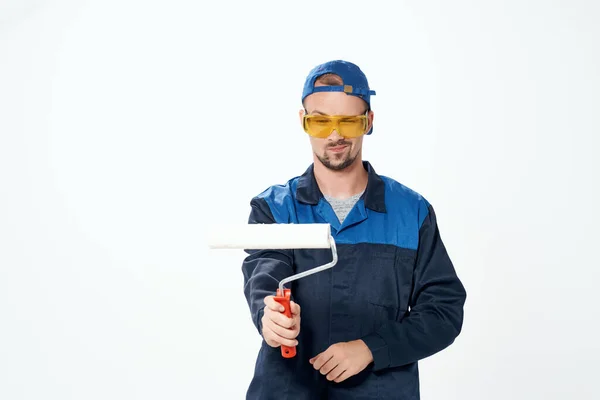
<point x="301" y="115"/>
<point x="370" y="116"/>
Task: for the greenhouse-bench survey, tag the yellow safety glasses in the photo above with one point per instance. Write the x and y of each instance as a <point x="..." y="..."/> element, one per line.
<point x="348" y="126"/>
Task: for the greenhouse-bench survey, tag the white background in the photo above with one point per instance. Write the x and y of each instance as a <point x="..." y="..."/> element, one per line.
<point x="128" y="126"/>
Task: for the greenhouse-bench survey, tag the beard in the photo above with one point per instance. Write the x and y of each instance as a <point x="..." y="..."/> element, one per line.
<point x="339" y="161"/>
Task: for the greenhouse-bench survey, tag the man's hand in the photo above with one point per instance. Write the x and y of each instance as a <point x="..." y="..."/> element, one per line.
<point x="276" y="327"/>
<point x="342" y="360"/>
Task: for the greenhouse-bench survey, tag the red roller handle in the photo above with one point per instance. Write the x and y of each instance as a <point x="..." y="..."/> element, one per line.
<point x="284" y="300"/>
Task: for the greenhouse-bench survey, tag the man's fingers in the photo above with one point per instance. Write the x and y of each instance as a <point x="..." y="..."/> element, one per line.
<point x="284" y="332"/>
<point x="272" y="336"/>
<point x="287" y="342"/>
<point x="321" y="359"/>
<point x="269" y="337"/>
<point x="275" y="306"/>
<point x="272" y="304"/>
<point x="335" y="372"/>
<point x="315" y="359"/>
<point x="328" y="366"/>
<point x="280" y="319"/>
<point x="295" y="322"/>
<point x="295" y="308"/>
<point x="343" y="376"/>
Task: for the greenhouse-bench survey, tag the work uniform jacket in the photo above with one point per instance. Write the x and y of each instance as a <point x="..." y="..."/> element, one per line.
<point x="394" y="287"/>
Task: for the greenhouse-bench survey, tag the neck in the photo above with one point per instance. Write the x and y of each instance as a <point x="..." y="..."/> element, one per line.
<point x="341" y="184"/>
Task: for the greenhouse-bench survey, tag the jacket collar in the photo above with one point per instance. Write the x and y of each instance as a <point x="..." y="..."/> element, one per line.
<point x="307" y="190"/>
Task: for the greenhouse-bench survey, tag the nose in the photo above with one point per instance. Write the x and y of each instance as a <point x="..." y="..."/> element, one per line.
<point x="334" y="135"/>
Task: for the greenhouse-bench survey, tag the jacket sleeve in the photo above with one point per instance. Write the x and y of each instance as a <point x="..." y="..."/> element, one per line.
<point x="436" y="306"/>
<point x="263" y="269"/>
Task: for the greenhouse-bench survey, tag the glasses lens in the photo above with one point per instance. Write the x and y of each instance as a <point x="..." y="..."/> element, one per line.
<point x="352" y="127"/>
<point x="319" y="126"/>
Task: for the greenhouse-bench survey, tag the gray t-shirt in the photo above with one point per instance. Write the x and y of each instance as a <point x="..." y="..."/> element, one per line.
<point x="343" y="206"/>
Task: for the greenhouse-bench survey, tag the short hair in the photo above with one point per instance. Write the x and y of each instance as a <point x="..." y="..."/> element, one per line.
<point x="331" y="79"/>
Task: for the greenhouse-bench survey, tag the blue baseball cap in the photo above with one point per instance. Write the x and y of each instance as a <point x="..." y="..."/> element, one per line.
<point x="355" y="82"/>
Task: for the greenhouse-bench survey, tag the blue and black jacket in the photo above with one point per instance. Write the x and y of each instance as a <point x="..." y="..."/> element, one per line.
<point x="394" y="287"/>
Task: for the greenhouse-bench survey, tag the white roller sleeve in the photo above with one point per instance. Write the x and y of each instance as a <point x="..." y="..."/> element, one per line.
<point x="269" y="236"/>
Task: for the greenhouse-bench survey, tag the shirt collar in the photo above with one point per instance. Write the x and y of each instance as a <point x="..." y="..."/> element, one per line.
<point x="307" y="190"/>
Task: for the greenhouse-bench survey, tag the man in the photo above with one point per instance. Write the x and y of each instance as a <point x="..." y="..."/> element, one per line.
<point x="392" y="299"/>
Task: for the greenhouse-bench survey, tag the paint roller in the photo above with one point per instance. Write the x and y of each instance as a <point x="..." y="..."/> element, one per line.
<point x="277" y="236"/>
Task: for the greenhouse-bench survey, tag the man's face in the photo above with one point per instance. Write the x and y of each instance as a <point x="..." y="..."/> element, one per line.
<point x="336" y="152"/>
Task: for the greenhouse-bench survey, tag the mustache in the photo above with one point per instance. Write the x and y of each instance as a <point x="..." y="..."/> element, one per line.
<point x="339" y="143"/>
